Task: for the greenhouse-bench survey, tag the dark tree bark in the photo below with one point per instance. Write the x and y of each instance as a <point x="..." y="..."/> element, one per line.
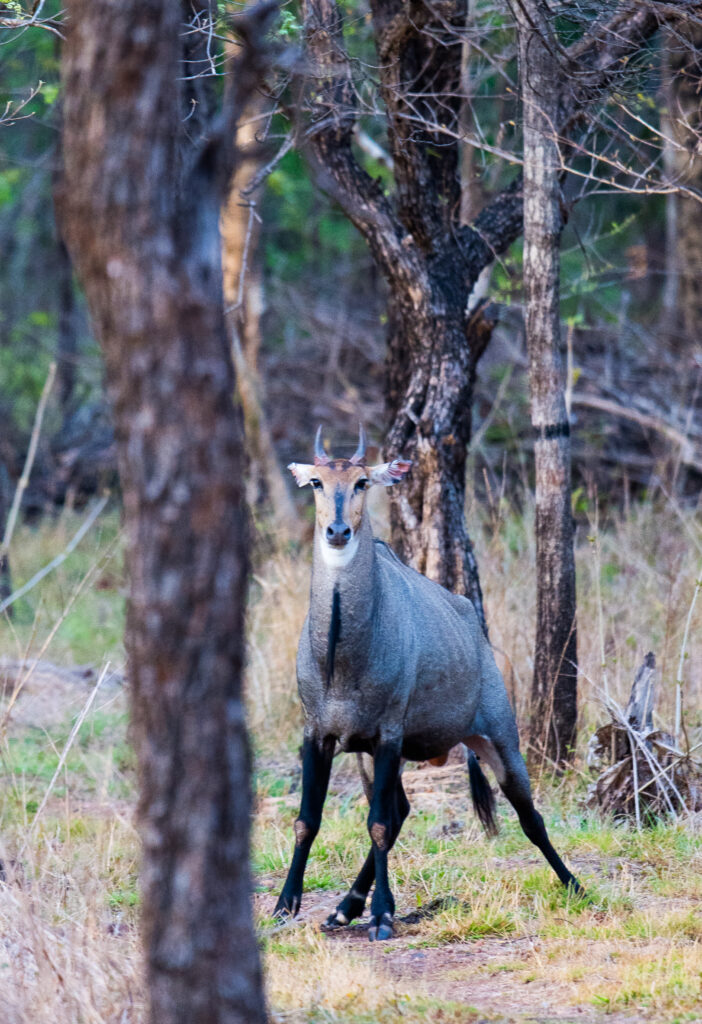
<point x="140" y="216"/>
<point x="434" y="341"/>
<point x="431" y="260"/>
<point x="554" y="691"/>
<point x="66" y="344"/>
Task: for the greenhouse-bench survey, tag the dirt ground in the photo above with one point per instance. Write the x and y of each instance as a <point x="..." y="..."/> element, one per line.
<point x="504" y="978"/>
<point x="487" y="974"/>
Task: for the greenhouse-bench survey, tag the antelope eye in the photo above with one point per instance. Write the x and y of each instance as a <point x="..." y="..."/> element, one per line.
<point x="316" y="483"/>
<point x="361" y="484"/>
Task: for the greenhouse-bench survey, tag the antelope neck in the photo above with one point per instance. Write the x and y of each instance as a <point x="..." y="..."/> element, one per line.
<point x="348" y="587"/>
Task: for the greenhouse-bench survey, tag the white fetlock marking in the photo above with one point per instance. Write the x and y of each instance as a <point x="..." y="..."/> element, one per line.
<point x="341" y="918"/>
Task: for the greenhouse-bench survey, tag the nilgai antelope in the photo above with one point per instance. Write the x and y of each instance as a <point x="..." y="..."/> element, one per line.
<point x="393" y="666"/>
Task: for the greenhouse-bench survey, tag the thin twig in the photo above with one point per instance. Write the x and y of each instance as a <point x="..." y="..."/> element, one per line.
<point x="679" y="681"/>
<point x="595" y="539"/>
<point x="55" y="562"/>
<point x="260" y="177"/>
<point x="62" y="760"/>
<point x="635" y="770"/>
<point x="24" y="479"/>
<point x="244" y="259"/>
<point x="23" y="680"/>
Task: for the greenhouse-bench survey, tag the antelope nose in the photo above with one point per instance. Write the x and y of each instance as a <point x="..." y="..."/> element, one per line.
<point x="338" y="534"/>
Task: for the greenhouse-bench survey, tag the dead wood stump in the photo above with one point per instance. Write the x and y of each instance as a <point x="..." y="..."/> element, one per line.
<point x="643" y="775"/>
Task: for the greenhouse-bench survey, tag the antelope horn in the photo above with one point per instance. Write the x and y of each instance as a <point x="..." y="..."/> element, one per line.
<point x="320" y="456"/>
<point x="360" y="453"/>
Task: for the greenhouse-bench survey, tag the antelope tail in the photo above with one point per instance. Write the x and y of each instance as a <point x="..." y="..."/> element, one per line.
<point x="482" y="796"/>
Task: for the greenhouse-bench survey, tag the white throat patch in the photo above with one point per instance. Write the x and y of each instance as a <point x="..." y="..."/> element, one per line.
<point x="338" y="558"/>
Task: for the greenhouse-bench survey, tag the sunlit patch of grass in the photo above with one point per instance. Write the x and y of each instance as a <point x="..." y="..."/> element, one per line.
<point x="325" y="981"/>
<point x="93" y="629"/>
<point x="655" y="977"/>
<point x="632" y="945"/>
<point x="100" y="760"/>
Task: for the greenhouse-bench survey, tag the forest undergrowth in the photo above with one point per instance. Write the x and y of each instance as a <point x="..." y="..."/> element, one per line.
<point x="485" y="932"/>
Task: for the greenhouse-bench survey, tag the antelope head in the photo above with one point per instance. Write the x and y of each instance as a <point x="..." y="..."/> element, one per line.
<point x="340" y="487"/>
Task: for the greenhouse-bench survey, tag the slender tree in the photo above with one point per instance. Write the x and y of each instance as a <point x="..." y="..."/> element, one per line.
<point x="140" y="207"/>
<point x="684" y="239"/>
<point x="242" y="266"/>
<point x="554" y="692"/>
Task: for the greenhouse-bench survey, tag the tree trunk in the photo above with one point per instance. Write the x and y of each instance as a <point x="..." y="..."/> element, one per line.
<point x="147" y="249"/>
<point x="685" y="122"/>
<point x="430" y="387"/>
<point x="671" y="271"/>
<point x="66" y="345"/>
<point x="243" y="296"/>
<point x="434" y="341"/>
<point x="430" y="260"/>
<point x="554" y="691"/>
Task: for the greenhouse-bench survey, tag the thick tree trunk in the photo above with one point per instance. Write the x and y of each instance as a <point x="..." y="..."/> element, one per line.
<point x="429" y="258"/>
<point x="148" y="254"/>
<point x="434" y="341"/>
<point x="431" y="367"/>
<point x="554" y="693"/>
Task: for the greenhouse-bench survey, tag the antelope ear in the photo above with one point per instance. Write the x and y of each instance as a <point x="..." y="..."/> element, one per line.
<point x="302" y="473"/>
<point x="389" y="472"/>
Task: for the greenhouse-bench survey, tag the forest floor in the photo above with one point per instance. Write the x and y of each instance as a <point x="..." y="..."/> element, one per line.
<point x="484" y="933"/>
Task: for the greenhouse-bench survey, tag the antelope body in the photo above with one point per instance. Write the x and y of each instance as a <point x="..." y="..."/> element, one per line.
<point x="391" y="665"/>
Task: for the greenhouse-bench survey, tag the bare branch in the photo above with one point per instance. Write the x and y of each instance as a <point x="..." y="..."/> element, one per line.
<point x="688" y="455"/>
<point x="29" y="462"/>
<point x="327" y="146"/>
<point x="592" y="66"/>
<point x="217" y="155"/>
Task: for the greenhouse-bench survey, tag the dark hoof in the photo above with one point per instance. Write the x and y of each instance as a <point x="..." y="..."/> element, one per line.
<point x="335" y="921"/>
<point x="286" y="907"/>
<point x="580" y="892"/>
<point x="351" y="907"/>
<point x="380" y="931"/>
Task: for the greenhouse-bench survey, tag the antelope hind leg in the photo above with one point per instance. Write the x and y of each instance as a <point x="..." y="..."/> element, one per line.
<point x="515" y="786"/>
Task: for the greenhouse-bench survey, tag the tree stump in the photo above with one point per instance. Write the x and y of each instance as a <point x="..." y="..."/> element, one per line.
<point x="642" y="773"/>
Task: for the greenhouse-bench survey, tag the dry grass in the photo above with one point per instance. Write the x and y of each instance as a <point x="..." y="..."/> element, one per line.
<point x="647" y="567"/>
<point x="70" y="949"/>
<point x="492" y="936"/>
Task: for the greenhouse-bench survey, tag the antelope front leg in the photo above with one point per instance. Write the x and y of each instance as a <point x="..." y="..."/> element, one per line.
<point x="317" y="758"/>
<point x="383" y="835"/>
<point x="354" y="902"/>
